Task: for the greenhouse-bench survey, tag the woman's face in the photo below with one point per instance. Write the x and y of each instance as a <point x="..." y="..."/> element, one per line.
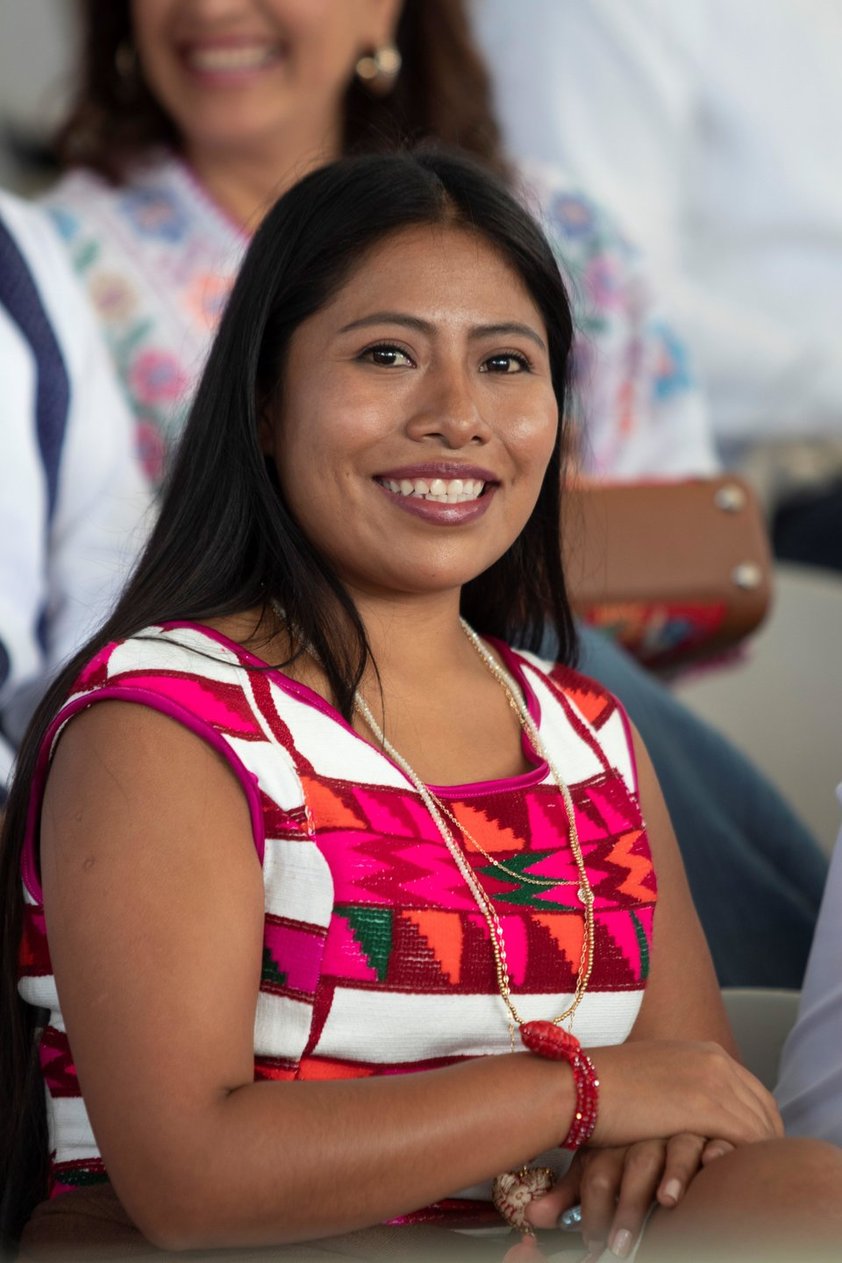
<point x="417" y="414"/>
<point x="246" y="73"/>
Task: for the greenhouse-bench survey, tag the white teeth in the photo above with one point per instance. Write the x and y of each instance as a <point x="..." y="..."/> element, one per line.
<point x="221" y="59"/>
<point x="442" y="490"/>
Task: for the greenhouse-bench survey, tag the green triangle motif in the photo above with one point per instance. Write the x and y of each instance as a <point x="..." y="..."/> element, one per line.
<point x="270" y="972"/>
<point x="643" y="945"/>
<point x="82" y="1177"/>
<point x="373" y="930"/>
<point x="525" y="893"/>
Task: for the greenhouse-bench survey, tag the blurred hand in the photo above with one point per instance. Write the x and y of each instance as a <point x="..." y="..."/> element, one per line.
<point x="615" y="1187"/>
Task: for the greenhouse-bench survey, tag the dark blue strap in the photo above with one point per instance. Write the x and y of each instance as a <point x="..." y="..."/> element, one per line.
<point x="19" y="295"/>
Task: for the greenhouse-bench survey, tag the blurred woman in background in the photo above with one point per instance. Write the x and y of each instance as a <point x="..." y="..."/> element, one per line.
<point x="192" y="117"/>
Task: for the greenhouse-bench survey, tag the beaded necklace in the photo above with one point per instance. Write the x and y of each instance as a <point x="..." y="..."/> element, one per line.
<point x="440" y="815"/>
<point x="515" y="1189"/>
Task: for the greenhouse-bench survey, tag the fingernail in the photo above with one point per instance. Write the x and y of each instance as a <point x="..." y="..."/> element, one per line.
<point x="621" y="1243"/>
<point x="571" y="1219"/>
<point x="716" y="1152"/>
<point x="672" y="1190"/>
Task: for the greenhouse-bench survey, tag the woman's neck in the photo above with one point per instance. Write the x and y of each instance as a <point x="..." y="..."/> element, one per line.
<point x="416" y="640"/>
<point x="246" y="182"/>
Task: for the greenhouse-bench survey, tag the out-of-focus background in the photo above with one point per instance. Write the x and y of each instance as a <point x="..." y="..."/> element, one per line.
<point x="37" y="39"/>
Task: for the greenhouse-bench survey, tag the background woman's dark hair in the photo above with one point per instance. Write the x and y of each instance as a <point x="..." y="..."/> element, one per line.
<point x="443" y="92"/>
<point x="224" y="540"/>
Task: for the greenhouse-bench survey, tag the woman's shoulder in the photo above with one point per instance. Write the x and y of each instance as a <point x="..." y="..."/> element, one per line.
<point x="564" y="679"/>
<point x="83" y="190"/>
<point x="570" y="701"/>
<point x="159" y="202"/>
<point x="171" y="658"/>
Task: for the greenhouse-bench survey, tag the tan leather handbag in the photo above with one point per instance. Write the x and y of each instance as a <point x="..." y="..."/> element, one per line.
<point x="676" y="571"/>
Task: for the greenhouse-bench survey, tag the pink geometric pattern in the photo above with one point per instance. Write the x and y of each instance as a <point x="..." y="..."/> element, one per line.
<point x="362" y="896"/>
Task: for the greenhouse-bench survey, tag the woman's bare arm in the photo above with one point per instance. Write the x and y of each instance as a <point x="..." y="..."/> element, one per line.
<point x="154" y="902"/>
<point x="682" y="998"/>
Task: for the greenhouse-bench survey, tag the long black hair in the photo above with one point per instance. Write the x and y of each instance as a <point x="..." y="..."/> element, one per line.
<point x="225" y="541"/>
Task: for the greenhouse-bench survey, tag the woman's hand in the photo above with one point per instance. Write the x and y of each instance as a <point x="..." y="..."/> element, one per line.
<point x="615" y="1187"/>
<point x="652" y="1089"/>
<point x="660" y="1100"/>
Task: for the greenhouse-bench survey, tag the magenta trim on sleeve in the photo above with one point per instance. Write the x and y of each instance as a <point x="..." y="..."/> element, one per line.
<point x="514" y="663"/>
<point x="630" y="739"/>
<point x="302" y="692"/>
<point x="582" y="728"/>
<point x="579" y="724"/>
<point x="116" y="692"/>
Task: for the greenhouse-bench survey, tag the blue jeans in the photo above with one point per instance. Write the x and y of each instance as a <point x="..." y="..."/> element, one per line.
<point x="755" y="871"/>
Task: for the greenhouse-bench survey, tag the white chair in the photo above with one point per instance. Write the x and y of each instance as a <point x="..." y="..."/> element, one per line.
<point x="783" y="704"/>
<point x="761" y="1018"/>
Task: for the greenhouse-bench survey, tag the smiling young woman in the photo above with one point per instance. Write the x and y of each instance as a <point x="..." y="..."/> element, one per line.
<point x="319" y="871"/>
<point x="425" y="386"/>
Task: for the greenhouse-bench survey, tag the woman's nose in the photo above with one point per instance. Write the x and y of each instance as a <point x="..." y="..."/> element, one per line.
<point x="448" y="409"/>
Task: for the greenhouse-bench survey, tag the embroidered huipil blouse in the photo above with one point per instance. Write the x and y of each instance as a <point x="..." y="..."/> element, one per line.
<point x="376" y="959"/>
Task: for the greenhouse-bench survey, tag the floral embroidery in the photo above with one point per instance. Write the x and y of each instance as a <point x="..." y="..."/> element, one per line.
<point x="155" y="213"/>
<point x="574" y="215"/>
<point x="207" y="296"/>
<point x="151" y="451"/>
<point x="156" y="376"/>
<point x="673" y="371"/>
<point x="602" y="283"/>
<point x="66" y="223"/>
<point x="114" y="298"/>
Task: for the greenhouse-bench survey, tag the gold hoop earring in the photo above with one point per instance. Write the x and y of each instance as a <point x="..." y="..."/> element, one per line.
<point x="378" y="71"/>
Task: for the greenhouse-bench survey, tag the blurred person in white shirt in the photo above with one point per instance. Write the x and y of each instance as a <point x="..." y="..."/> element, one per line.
<point x="72" y="497"/>
<point x="711" y="130"/>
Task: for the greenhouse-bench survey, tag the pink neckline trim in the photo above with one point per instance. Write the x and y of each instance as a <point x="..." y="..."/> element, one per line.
<point x="536" y="774"/>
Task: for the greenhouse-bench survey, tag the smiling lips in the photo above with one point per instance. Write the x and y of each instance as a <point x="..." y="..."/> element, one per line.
<point x="230" y="58"/>
<point x="443" y="496"/>
<point x="440" y="490"/>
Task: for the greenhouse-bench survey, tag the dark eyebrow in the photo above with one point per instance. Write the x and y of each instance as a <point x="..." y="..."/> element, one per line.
<point x="423" y="326"/>
<point x="496" y="331"/>
<point x="389" y="318"/>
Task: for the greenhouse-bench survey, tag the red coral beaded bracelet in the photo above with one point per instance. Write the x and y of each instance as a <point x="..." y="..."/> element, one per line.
<point x="545" y="1039"/>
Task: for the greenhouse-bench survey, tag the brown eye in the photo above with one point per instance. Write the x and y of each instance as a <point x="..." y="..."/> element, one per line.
<point x="387" y="356"/>
<point x="507" y="363"/>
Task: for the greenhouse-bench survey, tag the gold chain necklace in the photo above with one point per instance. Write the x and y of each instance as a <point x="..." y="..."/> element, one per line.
<point x="440" y="813"/>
